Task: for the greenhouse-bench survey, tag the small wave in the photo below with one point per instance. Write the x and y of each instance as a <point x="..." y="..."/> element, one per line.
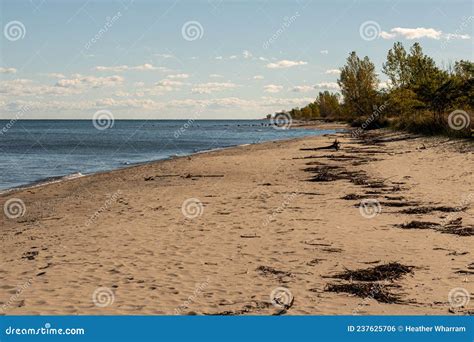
<point x="44" y="181"/>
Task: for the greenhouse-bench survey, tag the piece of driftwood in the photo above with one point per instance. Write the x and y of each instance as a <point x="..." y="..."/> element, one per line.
<point x="335" y="145"/>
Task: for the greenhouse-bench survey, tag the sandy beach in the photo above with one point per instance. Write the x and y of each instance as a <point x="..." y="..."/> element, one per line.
<point x="222" y="232"/>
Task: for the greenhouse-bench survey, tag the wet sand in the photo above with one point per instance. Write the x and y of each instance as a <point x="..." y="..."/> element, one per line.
<point x="259" y="229"/>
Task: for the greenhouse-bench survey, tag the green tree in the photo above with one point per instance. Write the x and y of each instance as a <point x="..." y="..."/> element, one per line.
<point x="396" y="67"/>
<point x="328" y="104"/>
<point x="358" y="82"/>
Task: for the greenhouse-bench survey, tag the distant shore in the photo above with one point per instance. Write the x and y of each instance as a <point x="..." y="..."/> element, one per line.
<point x="221" y="232"/>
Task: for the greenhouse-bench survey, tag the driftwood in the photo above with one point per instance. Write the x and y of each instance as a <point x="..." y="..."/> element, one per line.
<point x="335" y="145"/>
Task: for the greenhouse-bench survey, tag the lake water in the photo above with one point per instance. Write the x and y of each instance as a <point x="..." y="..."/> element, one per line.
<point x="34" y="150"/>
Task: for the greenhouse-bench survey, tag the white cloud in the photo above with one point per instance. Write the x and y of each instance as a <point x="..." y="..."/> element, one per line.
<point x="7" y="70"/>
<point x="412" y="33"/>
<point x="327" y="85"/>
<point x="26" y="87"/>
<point x="421" y="32"/>
<point x="324" y="52"/>
<point x="219" y="57"/>
<point x="215" y="76"/>
<point x="55" y="75"/>
<point x="207" y="88"/>
<point x="258" y="77"/>
<point x="262" y="59"/>
<point x="284" y="103"/>
<point x="78" y="81"/>
<point x="126" y="103"/>
<point x="233" y="57"/>
<point x="272" y="88"/>
<point x="168" y="85"/>
<point x="226" y="102"/>
<point x="178" y="76"/>
<point x="450" y="36"/>
<point x="333" y="72"/>
<point x="285" y="64"/>
<point x="120" y="68"/>
<point x="322" y="85"/>
<point x="246" y="54"/>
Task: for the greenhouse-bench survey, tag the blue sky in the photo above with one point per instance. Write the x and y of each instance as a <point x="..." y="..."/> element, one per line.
<point x="69" y="59"/>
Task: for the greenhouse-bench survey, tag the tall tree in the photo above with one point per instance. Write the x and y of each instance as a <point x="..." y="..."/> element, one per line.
<point x="358" y="82"/>
<point x="396" y="67"/>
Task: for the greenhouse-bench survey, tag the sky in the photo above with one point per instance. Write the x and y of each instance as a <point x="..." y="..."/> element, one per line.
<point x="209" y="59"/>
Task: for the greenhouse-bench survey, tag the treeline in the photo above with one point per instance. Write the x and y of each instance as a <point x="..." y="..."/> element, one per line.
<point x="419" y="96"/>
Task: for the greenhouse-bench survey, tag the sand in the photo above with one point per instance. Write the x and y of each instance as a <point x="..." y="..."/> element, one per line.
<point x="252" y="227"/>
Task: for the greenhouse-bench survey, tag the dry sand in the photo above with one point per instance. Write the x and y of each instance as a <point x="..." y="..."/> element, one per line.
<point x="119" y="243"/>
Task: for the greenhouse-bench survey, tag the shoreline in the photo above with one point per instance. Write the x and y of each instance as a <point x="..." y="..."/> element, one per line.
<point x="62" y="178"/>
<point x="227" y="228"/>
